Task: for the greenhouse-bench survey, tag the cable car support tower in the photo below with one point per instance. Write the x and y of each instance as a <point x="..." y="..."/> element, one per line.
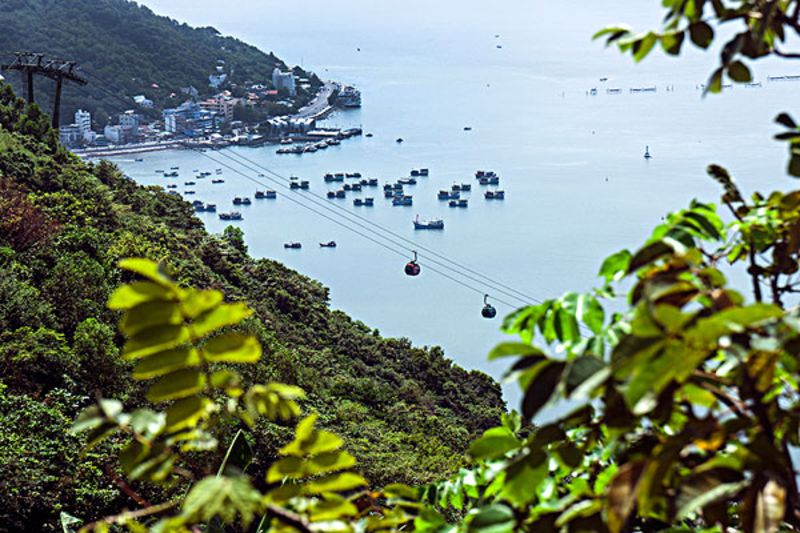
<point x="30" y="64"/>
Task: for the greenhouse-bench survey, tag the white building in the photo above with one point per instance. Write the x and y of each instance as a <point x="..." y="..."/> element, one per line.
<point x="143" y="101"/>
<point x="83" y="119"/>
<point x="114" y="134"/>
<point x="70" y="135"/>
<point x="283" y="80"/>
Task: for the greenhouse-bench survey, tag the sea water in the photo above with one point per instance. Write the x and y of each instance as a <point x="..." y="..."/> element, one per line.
<point x="519" y="74"/>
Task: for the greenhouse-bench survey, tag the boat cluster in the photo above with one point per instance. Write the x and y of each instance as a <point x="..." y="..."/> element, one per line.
<point x="290" y="146"/>
<point x="173" y="172"/>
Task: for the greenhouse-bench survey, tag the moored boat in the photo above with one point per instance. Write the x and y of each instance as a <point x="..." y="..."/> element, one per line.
<point x="434" y="223"/>
<point x="292" y="245"/>
<point x="402" y="201"/>
<point x="329" y="244"/>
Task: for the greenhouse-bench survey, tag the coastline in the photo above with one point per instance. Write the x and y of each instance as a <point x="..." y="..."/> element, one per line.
<point x="318" y="108"/>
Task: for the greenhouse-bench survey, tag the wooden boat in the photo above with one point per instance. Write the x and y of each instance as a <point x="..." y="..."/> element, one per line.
<point x="433" y="224"/>
<point x="329" y="244"/>
<point x="403" y="201"/>
<point x="292" y="245"/>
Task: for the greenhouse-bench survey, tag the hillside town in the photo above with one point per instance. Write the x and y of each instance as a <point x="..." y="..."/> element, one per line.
<point x="269" y="111"/>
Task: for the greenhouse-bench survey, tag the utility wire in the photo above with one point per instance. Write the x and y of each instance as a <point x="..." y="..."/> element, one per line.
<point x="338" y="210"/>
<point x="364" y="235"/>
<point x="491" y="283"/>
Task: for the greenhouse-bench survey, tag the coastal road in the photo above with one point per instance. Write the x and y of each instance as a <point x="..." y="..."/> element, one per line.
<point x="320" y="101"/>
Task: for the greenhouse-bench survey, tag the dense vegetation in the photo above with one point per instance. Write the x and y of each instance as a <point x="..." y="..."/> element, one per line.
<point x="408" y="414"/>
<point x="124" y="48"/>
<point x="684" y="404"/>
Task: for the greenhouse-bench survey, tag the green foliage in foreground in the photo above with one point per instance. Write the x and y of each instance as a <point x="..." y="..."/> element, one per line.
<point x="407" y="413"/>
<point x="682" y="410"/>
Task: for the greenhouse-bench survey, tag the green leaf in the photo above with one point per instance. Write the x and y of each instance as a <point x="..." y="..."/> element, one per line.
<point x="154" y="340"/>
<point x="186" y="413"/>
<point x="218" y="318"/>
<point x="580" y="369"/>
<point x="176" y="385"/>
<point x="223" y="498"/>
<point x="715" y="82"/>
<point x="648" y="254"/>
<point x="150" y="314"/>
<point x="232" y="348"/>
<point x="196" y="302"/>
<point x="701" y="34"/>
<point x="508" y="349"/>
<point x="615" y="266"/>
<point x="786" y="120"/>
<point x="707" y="496"/>
<point x="739" y="72"/>
<point x="491" y="519"/>
<point x="591" y="313"/>
<point x="137" y="293"/>
<point x="495" y="442"/>
<point x="672" y="42"/>
<point x="335" y="483"/>
<point x="541" y="388"/>
<point x="643" y="46"/>
<point x="148" y="269"/>
<point x="166" y="362"/>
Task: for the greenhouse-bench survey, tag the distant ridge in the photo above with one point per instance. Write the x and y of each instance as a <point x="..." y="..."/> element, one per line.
<point x="128" y="49"/>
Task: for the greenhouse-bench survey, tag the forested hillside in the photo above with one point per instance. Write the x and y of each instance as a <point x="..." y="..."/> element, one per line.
<point x="126" y="49"/>
<point x="406" y="413"/>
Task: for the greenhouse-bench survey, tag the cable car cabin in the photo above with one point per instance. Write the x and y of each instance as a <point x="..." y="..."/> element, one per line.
<point x="412" y="268"/>
<point x="488" y="310"/>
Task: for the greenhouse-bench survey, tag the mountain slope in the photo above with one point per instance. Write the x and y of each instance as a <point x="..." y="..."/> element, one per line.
<point x="406" y="413"/>
<point x="126" y="49"/>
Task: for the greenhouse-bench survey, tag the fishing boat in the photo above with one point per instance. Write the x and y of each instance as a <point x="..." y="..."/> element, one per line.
<point x="407" y="181"/>
<point x="219" y="171"/>
<point x="494" y="180"/>
<point x="353" y="175"/>
<point x="364" y="202"/>
<point x="198" y="203"/>
<point x="485" y="174"/>
<point x="495" y="195"/>
<point x="171" y="174"/>
<point x="466" y="186"/>
<point x="347" y="187"/>
<point x="287" y="141"/>
<point x="448" y="195"/>
<point x="233" y="215"/>
<point x="647" y="153"/>
<point x="388" y="194"/>
<point x="260" y="195"/>
<point x="211" y="208"/>
<point x="458" y="203"/>
<point x="456" y="187"/>
<point x="188" y="192"/>
<point x="399" y="140"/>
<point x="341" y="193"/>
<point x="329" y="244"/>
<point x="372" y="182"/>
<point x="434" y="223"/>
<point x="187" y="183"/>
<point x="397" y="186"/>
<point x="368" y="135"/>
<point x="467" y="128"/>
<point x="138" y="160"/>
<point x="355" y="187"/>
<point x="403" y="201"/>
<point x="424" y="172"/>
<point x="331" y="194"/>
<point x="174" y="168"/>
<point x="172" y="186"/>
<point x="292" y="245"/>
<point x="242" y="201"/>
<point x="415" y="173"/>
<point x="217" y="181"/>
